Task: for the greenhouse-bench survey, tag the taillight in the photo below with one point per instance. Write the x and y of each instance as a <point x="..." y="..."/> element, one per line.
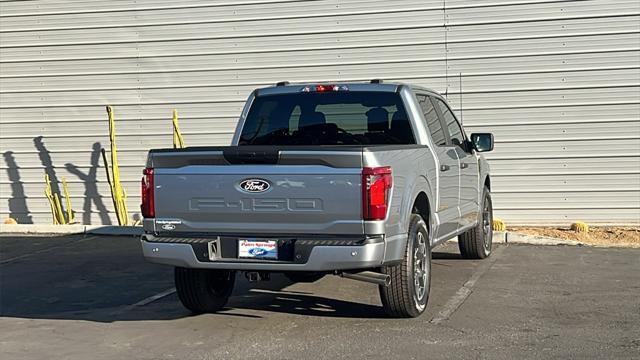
<point x="147" y="207"/>
<point x="376" y="188"/>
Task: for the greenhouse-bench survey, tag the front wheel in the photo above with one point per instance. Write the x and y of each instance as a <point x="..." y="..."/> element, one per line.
<point x="202" y="290"/>
<point x="408" y="294"/>
<point x="477" y="242"/>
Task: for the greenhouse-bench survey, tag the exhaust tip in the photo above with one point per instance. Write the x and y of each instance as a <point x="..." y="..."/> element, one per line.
<point x="369" y="276"/>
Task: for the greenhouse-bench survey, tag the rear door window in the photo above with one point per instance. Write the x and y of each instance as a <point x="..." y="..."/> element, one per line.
<point x="332" y="118"/>
<point x="433" y="122"/>
<point x="453" y="127"/>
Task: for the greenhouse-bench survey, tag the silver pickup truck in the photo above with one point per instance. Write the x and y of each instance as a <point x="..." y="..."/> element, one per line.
<point x="359" y="180"/>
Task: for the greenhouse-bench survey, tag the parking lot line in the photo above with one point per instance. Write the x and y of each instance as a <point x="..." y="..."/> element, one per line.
<point x="145" y="301"/>
<point x="41" y="251"/>
<point x="467" y="288"/>
<point x="155" y="297"/>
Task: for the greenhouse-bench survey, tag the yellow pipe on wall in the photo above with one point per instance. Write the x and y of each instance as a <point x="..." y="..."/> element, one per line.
<point x="178" y="141"/>
<point x="57" y="213"/>
<point x="49" y="195"/>
<point x="67" y="199"/>
<point x="117" y="193"/>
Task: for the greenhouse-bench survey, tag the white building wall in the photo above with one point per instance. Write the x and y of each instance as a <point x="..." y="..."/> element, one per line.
<point x="558" y="82"/>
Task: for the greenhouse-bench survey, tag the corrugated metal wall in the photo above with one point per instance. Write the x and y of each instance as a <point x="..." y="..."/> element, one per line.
<point x="558" y="82"/>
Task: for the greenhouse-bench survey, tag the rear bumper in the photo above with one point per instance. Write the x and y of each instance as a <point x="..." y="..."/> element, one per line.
<point x="321" y="258"/>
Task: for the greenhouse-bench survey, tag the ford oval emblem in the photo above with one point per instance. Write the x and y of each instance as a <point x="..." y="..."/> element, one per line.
<point x="257" y="251"/>
<point x="254" y="185"/>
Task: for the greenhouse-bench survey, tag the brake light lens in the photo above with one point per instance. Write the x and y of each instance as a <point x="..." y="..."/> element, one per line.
<point x="147" y="207"/>
<point x="325" y="88"/>
<point x="376" y="188"/>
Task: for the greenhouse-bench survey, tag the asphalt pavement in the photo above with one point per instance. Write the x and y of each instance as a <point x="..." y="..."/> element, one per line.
<point x="91" y="297"/>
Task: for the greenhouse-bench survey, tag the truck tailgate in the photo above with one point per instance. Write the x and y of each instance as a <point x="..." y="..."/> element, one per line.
<point x="302" y="193"/>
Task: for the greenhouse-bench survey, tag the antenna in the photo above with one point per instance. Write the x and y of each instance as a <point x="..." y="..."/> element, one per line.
<point x="460" y="77"/>
<point x="446" y="84"/>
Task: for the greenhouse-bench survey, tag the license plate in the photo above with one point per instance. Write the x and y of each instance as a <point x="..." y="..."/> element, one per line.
<point x="258" y="249"/>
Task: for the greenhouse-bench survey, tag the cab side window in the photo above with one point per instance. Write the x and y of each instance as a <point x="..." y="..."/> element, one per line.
<point x="453" y="127"/>
<point x="433" y="123"/>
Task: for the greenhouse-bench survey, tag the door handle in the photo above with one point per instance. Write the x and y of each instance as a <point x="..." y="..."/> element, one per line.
<point x="464" y="165"/>
<point x="444" y="167"/>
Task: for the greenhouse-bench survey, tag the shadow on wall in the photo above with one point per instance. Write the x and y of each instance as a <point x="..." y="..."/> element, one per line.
<point x="18" y="209"/>
<point x="91" y="194"/>
<point x="45" y="159"/>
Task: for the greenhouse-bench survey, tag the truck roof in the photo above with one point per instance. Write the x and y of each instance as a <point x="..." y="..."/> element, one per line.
<point x="374" y="85"/>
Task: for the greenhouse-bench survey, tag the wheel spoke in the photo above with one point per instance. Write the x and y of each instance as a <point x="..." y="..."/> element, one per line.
<point x="486" y="223"/>
<point x="420" y="266"/>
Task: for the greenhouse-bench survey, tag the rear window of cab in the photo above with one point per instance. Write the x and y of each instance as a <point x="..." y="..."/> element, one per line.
<point x="327" y="118"/>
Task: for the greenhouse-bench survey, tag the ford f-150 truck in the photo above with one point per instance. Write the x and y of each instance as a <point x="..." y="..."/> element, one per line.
<point x="359" y="180"/>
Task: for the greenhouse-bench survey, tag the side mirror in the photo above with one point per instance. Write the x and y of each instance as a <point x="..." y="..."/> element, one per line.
<point x="482" y="141"/>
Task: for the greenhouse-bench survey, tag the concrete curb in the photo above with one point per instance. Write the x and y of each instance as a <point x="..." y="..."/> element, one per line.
<point x="503" y="237"/>
<point x="22" y="229"/>
<point x="518" y="238"/>
<point x="114" y="230"/>
<point x="500" y="237"/>
<point x="42" y="229"/>
<point x="507" y="237"/>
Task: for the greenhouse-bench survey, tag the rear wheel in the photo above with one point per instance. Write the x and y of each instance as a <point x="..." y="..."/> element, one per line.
<point x="477" y="242"/>
<point x="204" y="291"/>
<point x="408" y="294"/>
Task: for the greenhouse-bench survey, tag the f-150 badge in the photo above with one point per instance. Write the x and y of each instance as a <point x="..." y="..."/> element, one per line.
<point x="254" y="185"/>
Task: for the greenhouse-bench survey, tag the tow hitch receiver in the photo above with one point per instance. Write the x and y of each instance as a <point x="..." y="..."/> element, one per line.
<point x="255" y="276"/>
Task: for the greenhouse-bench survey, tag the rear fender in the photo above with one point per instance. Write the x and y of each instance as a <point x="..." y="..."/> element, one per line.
<point x="397" y="242"/>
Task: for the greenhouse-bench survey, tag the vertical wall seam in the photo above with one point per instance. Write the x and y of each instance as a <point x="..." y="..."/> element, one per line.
<point x="446" y="48"/>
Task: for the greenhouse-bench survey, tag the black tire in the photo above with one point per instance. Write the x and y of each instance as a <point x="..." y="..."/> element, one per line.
<point x="403" y="299"/>
<point x="477" y="242"/>
<point x="204" y="291"/>
<point x="303" y="276"/>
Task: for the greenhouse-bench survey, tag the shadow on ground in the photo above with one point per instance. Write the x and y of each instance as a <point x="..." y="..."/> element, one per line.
<point x="99" y="278"/>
